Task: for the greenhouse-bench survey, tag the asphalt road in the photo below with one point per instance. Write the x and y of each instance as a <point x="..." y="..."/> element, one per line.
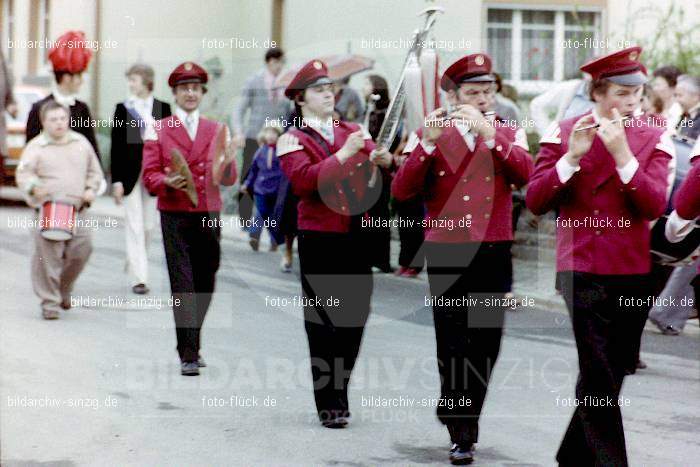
<point x="101" y="386"/>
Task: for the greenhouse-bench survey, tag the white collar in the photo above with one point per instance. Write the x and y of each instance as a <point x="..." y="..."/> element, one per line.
<point x="182" y="114"/>
<point x="467" y="135"/>
<point x="322" y="127"/>
<point x="63" y="99"/>
<point x="146" y="101"/>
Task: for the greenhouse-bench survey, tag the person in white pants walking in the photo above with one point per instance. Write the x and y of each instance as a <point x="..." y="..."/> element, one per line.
<point x="131" y="118"/>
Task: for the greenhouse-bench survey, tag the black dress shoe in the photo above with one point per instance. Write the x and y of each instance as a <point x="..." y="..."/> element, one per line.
<point x="337" y="422"/>
<point x="201" y="363"/>
<point x="140" y="289"/>
<point x="189" y="369"/>
<point x="670" y="331"/>
<point x="462" y="454"/>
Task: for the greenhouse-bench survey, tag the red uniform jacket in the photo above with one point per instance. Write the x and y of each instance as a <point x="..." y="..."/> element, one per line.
<point x="321" y="181"/>
<point x="687" y="201"/>
<point x="603" y="224"/>
<point x="467" y="193"/>
<point x="170" y="133"/>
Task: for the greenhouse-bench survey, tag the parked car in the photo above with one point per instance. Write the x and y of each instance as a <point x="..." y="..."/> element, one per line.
<point x="25" y="96"/>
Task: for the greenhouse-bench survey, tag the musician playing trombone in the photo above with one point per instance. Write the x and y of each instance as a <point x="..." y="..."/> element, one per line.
<point x="329" y="164"/>
<point x="464" y="164"/>
<point x="607" y="175"/>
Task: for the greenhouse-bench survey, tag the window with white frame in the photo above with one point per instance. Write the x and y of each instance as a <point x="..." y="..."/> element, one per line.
<point x="540" y="44"/>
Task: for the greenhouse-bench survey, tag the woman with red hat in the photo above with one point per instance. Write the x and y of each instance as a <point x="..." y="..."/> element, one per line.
<point x="329" y="165"/>
<point x="607" y="175"/>
<point x="70" y="57"/>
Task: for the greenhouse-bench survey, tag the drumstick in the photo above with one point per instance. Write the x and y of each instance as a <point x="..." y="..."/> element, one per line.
<point x="596" y="125"/>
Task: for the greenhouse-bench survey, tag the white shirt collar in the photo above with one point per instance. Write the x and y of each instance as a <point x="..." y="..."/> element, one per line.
<point x="63" y="99"/>
<point x="182" y="115"/>
<point x="322" y="127"/>
<point x="145" y="102"/>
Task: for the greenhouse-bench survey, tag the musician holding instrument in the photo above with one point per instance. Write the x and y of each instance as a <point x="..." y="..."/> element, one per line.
<point x="185" y="159"/>
<point x="607" y="175"/>
<point x="58" y="172"/>
<point x="465" y="164"/>
<point x="329" y="164"/>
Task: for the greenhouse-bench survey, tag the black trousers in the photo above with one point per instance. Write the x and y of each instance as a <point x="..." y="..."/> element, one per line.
<point x="379" y="241"/>
<point x="245" y="200"/>
<point x="468" y="334"/>
<point x="336" y="278"/>
<point x="605" y="311"/>
<point x="193" y="253"/>
<point x="411" y="254"/>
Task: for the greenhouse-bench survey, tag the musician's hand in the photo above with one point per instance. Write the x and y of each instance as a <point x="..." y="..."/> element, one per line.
<point x="229" y="154"/>
<point x="475" y="120"/>
<point x="434" y="125"/>
<point x="39" y="192"/>
<point x="118" y="192"/>
<point x="381" y="157"/>
<point x="88" y="196"/>
<point x="353" y="144"/>
<point x="175" y="181"/>
<point x="614" y="138"/>
<point x="243" y="189"/>
<point x="580" y="141"/>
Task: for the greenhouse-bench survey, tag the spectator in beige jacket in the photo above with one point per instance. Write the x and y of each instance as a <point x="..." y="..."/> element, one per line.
<point x="59" y="164"/>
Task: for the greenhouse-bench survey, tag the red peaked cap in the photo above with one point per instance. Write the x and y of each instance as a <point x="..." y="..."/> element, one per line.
<point x="314" y="72"/>
<point x="70" y="53"/>
<point x="474" y="68"/>
<point x="622" y="67"/>
<point x="188" y="72"/>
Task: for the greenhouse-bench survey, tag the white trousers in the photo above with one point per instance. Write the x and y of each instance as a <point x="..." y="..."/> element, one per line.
<point x="139" y="224"/>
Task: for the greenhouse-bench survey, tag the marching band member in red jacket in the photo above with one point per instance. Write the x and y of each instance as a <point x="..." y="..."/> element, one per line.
<point x="465" y="169"/>
<point x="191" y="232"/>
<point x="329" y="165"/>
<point x="608" y="178"/>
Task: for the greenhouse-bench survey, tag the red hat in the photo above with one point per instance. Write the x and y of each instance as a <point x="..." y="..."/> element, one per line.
<point x="313" y="73"/>
<point x="70" y="53"/>
<point x="622" y="67"/>
<point x="188" y="72"/>
<point x="475" y="68"/>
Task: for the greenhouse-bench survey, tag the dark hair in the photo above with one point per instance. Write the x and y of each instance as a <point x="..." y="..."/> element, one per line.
<point x="654" y="99"/>
<point x="49" y="106"/>
<point x="381" y="88"/>
<point x="499" y="82"/>
<point x="274" y="52"/>
<point x="598" y="86"/>
<point x="670" y="73"/>
<point x="61" y="73"/>
<point x="144" y="71"/>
